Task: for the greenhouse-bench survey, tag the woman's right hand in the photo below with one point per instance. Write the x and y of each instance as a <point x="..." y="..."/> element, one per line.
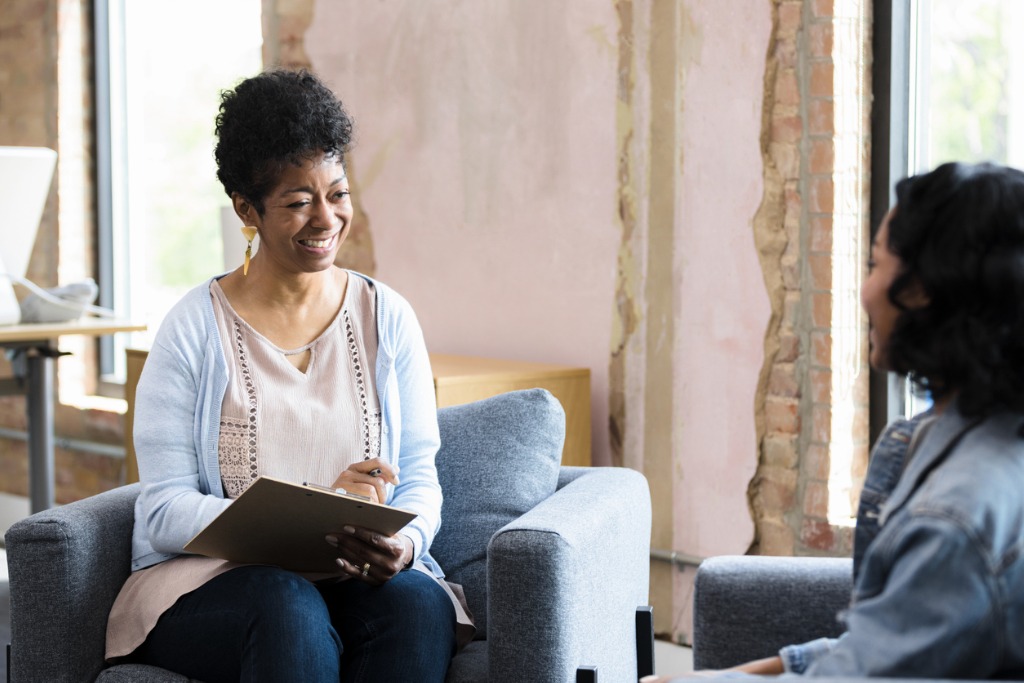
<point x="368" y="478"/>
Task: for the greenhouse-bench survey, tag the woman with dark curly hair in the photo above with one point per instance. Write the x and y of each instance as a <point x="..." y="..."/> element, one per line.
<point x="293" y="368"/>
<point x="938" y="562"/>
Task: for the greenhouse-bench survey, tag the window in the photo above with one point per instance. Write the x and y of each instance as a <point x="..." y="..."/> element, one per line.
<point x="160" y="71"/>
<point x="948" y="87"/>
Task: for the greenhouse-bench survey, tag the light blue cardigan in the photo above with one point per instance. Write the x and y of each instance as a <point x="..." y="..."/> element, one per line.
<point x="177" y="425"/>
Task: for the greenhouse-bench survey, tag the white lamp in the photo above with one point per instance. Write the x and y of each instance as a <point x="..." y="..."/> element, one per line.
<point x="25" y="176"/>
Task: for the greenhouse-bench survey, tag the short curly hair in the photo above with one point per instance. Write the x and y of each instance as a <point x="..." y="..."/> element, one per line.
<point x="275" y="118"/>
<point x="959" y="233"/>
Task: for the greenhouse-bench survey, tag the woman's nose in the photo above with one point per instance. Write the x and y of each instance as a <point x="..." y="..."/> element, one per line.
<point x="324" y="217"/>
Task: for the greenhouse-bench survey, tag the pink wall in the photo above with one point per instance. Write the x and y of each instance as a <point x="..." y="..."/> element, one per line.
<point x="488" y="158"/>
<point x="723" y="307"/>
<point x="485" y="156"/>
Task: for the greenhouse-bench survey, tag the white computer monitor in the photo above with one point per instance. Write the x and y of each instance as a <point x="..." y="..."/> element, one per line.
<point x="25" y="176"/>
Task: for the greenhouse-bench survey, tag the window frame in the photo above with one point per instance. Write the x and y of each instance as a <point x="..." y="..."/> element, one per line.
<point x="894" y="95"/>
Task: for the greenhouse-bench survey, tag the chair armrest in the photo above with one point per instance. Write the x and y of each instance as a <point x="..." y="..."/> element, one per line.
<point x="565" y="579"/>
<point x="747" y="608"/>
<point x="66" y="567"/>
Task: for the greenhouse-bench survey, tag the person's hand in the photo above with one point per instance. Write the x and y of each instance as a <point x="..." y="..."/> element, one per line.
<point x="369" y="556"/>
<point x="368" y="478"/>
<point x="768" y="666"/>
<point x="704" y="673"/>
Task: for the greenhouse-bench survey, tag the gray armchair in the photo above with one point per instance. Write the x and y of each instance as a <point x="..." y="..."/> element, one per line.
<point x="746" y="608"/>
<point x="553" y="560"/>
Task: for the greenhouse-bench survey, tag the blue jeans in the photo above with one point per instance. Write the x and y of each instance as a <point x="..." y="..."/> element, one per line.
<point x="258" y="623"/>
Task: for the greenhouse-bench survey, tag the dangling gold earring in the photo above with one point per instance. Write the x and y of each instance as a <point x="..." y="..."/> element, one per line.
<point x="249" y="232"/>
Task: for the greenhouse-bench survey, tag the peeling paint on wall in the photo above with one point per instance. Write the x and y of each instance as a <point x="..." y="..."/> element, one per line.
<point x="285" y="23"/>
<point x="626" y="314"/>
<point x="770" y="238"/>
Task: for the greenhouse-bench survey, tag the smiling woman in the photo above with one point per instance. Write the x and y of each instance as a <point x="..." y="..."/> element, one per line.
<point x="296" y="369"/>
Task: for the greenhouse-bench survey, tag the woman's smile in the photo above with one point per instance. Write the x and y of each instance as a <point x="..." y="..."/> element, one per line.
<point x="319" y="244"/>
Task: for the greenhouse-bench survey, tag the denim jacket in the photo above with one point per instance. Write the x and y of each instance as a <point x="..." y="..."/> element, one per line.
<point x="939" y="572"/>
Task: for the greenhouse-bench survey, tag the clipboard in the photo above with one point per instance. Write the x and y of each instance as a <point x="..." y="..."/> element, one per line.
<point x="283" y="524"/>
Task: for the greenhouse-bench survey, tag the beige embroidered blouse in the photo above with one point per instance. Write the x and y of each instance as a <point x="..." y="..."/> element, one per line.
<point x="275" y="420"/>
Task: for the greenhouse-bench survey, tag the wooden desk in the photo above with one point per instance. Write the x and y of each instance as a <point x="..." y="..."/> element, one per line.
<point x="457" y="379"/>
<point x="37" y="339"/>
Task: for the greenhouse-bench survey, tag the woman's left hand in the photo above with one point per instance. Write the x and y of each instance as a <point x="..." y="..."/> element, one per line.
<point x="370" y="556"/>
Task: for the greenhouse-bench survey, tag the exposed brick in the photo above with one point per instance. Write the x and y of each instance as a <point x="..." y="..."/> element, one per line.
<point x="790" y="19"/>
<point x="789" y="348"/>
<point x="780" y="450"/>
<point x="822" y="198"/>
<point x="816" y="463"/>
<point x="823" y="8"/>
<point x="794" y="206"/>
<point x="776" y="495"/>
<point x="821" y="424"/>
<point x="786" y="53"/>
<point x="820" y="117"/>
<point x="821" y="310"/>
<point x="790" y="266"/>
<point x="817" y="534"/>
<point x="821" y="384"/>
<point x="822" y="156"/>
<point x="822" y="80"/>
<point x="821" y="348"/>
<point x="782" y="415"/>
<point x="787" y="128"/>
<point x="816" y="499"/>
<point x="782" y="381"/>
<point x="786" y="157"/>
<point x="821" y="39"/>
<point x="776" y="538"/>
<point x="791" y="310"/>
<point x="821" y="271"/>
<point x="821" y="234"/>
<point x="787" y="89"/>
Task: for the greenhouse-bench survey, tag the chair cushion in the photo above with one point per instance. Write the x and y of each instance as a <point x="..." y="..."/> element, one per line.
<point x="499" y="457"/>
<point x="139" y="673"/>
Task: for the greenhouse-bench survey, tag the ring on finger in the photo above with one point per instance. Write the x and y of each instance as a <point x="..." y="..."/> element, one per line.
<point x="366" y="569"/>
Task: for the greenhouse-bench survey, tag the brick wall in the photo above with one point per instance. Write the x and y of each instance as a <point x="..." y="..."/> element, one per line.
<point x="812" y="230"/>
<point x="813" y="386"/>
<point x="45" y="100"/>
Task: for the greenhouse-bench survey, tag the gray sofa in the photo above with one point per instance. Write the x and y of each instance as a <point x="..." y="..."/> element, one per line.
<point x="748" y="607"/>
<point x="553" y="560"/>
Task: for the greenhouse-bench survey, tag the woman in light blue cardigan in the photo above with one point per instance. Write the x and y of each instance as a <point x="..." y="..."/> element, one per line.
<point x="288" y="364"/>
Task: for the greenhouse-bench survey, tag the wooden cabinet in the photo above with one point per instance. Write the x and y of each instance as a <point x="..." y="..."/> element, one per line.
<point x="135" y="359"/>
<point x="462" y="379"/>
<point x="457" y="379"/>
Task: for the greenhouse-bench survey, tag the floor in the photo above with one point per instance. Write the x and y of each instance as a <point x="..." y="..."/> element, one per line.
<point x="668" y="658"/>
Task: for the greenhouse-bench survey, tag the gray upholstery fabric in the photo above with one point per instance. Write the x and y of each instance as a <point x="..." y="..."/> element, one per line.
<point x="66" y="566"/>
<point x="571" y="572"/>
<point x="139" y="673"/>
<point x="470" y="664"/>
<point x="499" y="457"/>
<point x="745" y="608"/>
<point x="563" y="580"/>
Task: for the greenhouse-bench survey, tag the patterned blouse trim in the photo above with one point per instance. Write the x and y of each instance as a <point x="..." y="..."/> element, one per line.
<point x="371" y="423"/>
